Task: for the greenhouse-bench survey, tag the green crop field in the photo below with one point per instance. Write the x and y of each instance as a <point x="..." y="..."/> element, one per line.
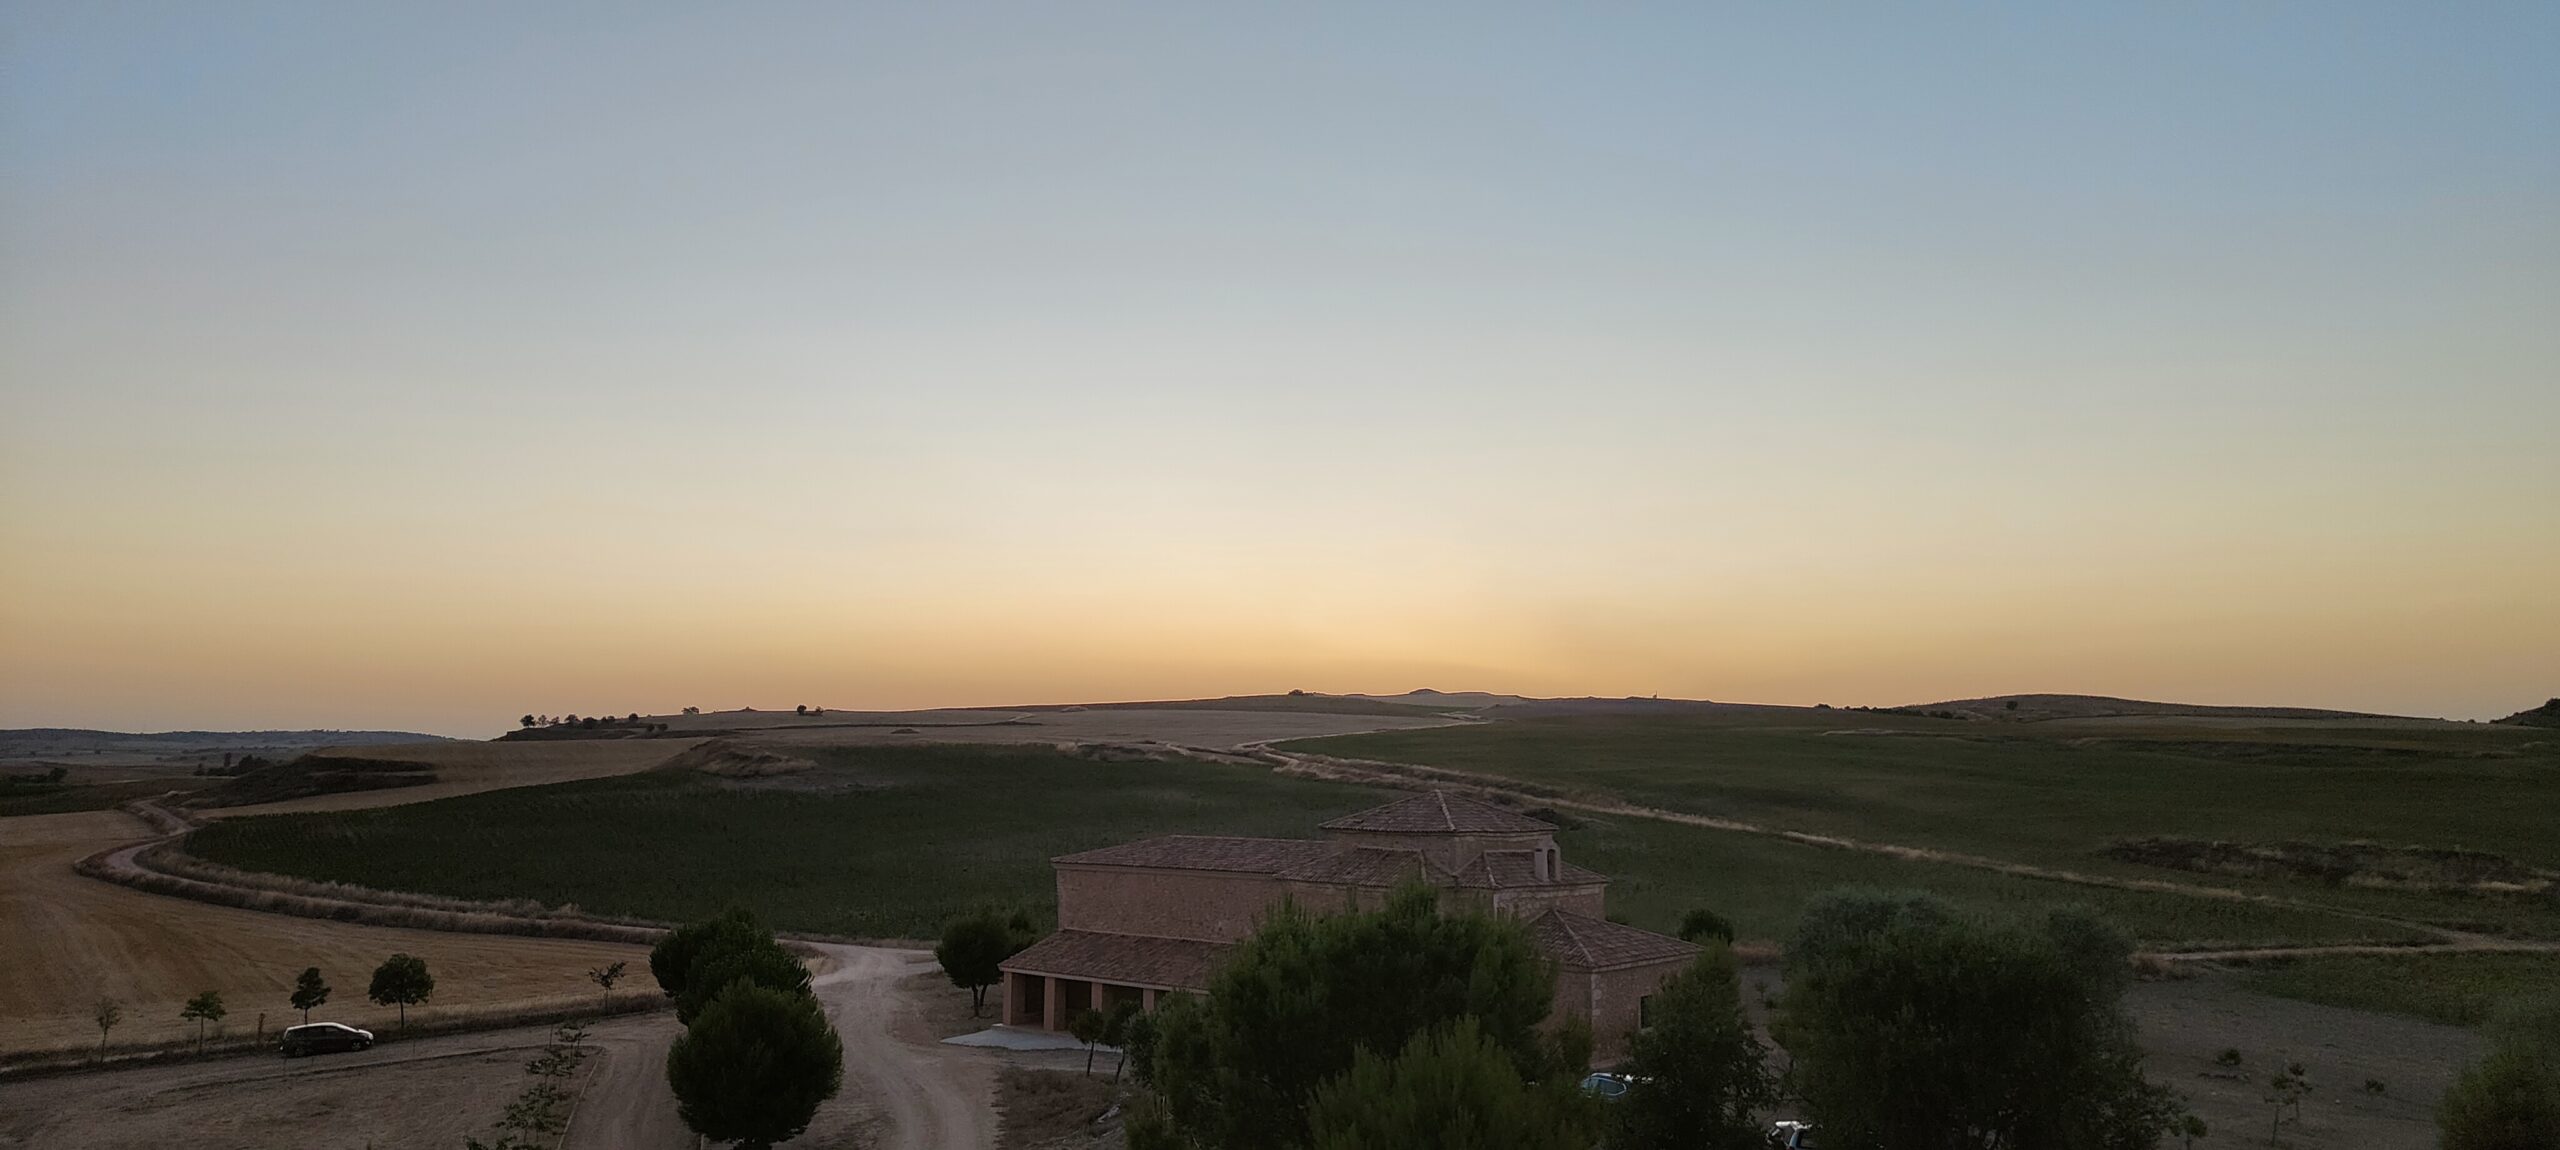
<point x="2457" y="989"/>
<point x="891" y="841"/>
<point x="2064" y="794"/>
<point x="2059" y="794"/>
<point x="1664" y="869"/>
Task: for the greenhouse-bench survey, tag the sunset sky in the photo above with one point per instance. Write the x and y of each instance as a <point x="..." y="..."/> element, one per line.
<point x="361" y="369"/>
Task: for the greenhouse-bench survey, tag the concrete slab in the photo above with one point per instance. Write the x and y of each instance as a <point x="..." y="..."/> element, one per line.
<point x="1023" y="1038"/>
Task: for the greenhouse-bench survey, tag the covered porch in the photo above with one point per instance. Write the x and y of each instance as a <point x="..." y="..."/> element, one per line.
<point x="1070" y="972"/>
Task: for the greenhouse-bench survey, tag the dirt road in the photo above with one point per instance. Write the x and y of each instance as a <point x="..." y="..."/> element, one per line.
<point x="903" y="1089"/>
<point x="424" y="1093"/>
<point x="931" y="1096"/>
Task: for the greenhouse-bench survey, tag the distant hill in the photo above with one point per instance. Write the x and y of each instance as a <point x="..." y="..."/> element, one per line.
<point x="2546" y="715"/>
<point x="74" y="744"/>
<point x="2029" y="708"/>
<point x="1303" y="702"/>
<point x="1441" y="700"/>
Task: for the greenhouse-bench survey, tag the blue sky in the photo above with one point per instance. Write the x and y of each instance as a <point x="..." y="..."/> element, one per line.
<point x="398" y="360"/>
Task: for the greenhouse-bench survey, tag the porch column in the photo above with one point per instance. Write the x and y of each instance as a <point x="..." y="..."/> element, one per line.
<point x="1147" y="999"/>
<point x="1051" y="1003"/>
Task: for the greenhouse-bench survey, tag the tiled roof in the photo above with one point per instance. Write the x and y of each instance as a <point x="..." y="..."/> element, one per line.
<point x="1439" y="812"/>
<point x="1503" y="870"/>
<point x="1596" y="944"/>
<point x="1125" y="959"/>
<point x="1205" y="852"/>
<point x="1367" y="866"/>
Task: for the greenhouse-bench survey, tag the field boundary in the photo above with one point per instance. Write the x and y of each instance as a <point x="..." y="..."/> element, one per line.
<point x="162" y="866"/>
<point x="25" y="1065"/>
<point x="1414" y="776"/>
<point x="138" y="866"/>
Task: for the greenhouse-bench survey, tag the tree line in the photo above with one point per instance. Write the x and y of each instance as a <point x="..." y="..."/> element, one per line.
<point x="1908" y="1026"/>
<point x="402" y="980"/>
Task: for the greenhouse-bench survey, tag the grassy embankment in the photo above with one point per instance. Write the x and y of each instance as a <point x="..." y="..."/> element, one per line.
<point x="2068" y="794"/>
<point x="891" y="841"/>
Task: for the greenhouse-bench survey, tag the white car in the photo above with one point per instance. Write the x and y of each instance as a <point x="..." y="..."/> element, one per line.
<point x="322" y="1037"/>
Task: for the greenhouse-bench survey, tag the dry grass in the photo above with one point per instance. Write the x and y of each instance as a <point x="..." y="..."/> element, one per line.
<point x="76" y="1057"/>
<point x="70" y="940"/>
<point x="1049" y="1108"/>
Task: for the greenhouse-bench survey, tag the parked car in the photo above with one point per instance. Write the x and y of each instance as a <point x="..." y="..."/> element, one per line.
<point x="1788" y="1134"/>
<point x="1606" y="1086"/>
<point x="322" y="1038"/>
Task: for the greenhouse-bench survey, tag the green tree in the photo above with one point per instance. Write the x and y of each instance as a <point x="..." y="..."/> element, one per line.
<point x="1296" y="1000"/>
<point x="1699" y="1073"/>
<point x="1703" y="925"/>
<point x="1914" y="1028"/>
<point x="605" y="976"/>
<point x="971" y="950"/>
<point x="1138" y="1047"/>
<point x="754" y="1065"/>
<point x="1088" y="1027"/>
<point x="401" y="980"/>
<point x="672" y="959"/>
<point x="1120" y="1029"/>
<point x="309" y="991"/>
<point x="203" y="1008"/>
<point x="1450" y="1089"/>
<point x="762" y="962"/>
<point x="107" y="1014"/>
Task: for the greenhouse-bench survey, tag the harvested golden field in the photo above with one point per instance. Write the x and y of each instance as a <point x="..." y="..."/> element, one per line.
<point x="71" y="940"/>
<point x="464" y="768"/>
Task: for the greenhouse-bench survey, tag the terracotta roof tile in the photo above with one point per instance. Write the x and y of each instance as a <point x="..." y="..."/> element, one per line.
<point x="1506" y="870"/>
<point x="1585" y="943"/>
<point x="1124" y="959"/>
<point x="1205" y="852"/>
<point x="1439" y="812"/>
<point x="1367" y="866"/>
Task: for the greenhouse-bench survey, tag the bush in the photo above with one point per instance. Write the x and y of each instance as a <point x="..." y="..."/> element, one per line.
<point x="2510" y="1099"/>
<point x="1703" y="925"/>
